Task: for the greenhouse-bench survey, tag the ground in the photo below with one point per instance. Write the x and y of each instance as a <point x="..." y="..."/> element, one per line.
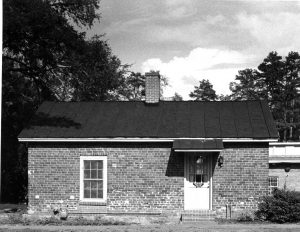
<point x="199" y="227"/>
<point x="208" y="226"/>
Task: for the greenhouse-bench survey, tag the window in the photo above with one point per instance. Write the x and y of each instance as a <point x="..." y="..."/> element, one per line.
<point x="93" y="178"/>
<point x="273" y="183"/>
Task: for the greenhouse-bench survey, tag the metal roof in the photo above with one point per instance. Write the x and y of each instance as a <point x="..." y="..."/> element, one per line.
<point x="200" y="144"/>
<point x="176" y="119"/>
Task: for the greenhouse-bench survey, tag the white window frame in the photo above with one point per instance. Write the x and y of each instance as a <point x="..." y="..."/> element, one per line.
<point x="272" y="187"/>
<point x="104" y="159"/>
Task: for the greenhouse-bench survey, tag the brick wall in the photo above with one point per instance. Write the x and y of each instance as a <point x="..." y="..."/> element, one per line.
<point x="143" y="177"/>
<point x="243" y="179"/>
<point x="292" y="178"/>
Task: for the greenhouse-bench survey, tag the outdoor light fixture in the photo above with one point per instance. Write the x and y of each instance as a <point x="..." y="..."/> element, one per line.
<point x="287" y="169"/>
<point x="220" y="161"/>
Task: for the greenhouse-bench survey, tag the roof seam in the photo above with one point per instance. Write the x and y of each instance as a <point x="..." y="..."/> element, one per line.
<point x="232" y="110"/>
<point x="260" y="103"/>
<point x="250" y="118"/>
<point x="220" y="128"/>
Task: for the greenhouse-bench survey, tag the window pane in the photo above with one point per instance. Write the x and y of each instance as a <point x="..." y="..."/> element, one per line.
<point x="205" y="178"/>
<point x="100" y="164"/>
<point x="93" y="179"/>
<point x="87" y="184"/>
<point x="94" y="184"/>
<point x="93" y="193"/>
<point x="199" y="178"/>
<point x="100" y="193"/>
<point x="93" y="174"/>
<point x="87" y="174"/>
<point x="273" y="183"/>
<point x="100" y="184"/>
<point x="93" y="164"/>
<point x="87" y="164"/>
<point x="192" y="178"/>
<point x="99" y="174"/>
<point x="87" y="194"/>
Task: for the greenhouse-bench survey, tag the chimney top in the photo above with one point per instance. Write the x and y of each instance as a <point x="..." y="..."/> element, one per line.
<point x="152" y="87"/>
<point x="152" y="73"/>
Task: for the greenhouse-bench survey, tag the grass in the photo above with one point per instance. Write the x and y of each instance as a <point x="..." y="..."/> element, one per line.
<point x="18" y="219"/>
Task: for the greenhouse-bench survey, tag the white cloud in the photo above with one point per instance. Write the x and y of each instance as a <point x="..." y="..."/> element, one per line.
<point x="216" y="19"/>
<point x="273" y="31"/>
<point x="185" y="72"/>
<point x="177" y="9"/>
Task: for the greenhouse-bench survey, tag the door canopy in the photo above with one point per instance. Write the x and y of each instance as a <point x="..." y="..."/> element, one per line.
<point x="198" y="145"/>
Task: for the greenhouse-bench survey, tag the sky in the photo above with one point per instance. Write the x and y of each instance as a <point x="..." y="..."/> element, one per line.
<point x="191" y="40"/>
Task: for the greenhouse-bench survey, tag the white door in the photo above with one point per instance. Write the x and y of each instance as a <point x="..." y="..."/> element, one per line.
<point x="197" y="186"/>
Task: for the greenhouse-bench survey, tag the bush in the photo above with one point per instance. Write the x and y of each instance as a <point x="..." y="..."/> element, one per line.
<point x="283" y="206"/>
<point x="245" y="216"/>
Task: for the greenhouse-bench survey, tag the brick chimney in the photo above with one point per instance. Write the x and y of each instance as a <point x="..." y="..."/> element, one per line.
<point x="152" y="88"/>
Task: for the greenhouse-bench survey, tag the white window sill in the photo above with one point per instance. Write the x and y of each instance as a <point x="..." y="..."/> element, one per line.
<point x="100" y="203"/>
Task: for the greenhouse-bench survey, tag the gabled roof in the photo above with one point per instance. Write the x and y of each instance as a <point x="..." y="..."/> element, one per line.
<point x="177" y="119"/>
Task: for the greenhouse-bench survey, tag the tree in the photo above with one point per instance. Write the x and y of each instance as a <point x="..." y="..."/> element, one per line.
<point x="82" y="12"/>
<point x="98" y="73"/>
<point x="247" y="85"/>
<point x="223" y="97"/>
<point x="204" y="92"/>
<point x="277" y="81"/>
<point x="37" y="40"/>
<point x="177" y="97"/>
<point x="133" y="87"/>
<point x="45" y="58"/>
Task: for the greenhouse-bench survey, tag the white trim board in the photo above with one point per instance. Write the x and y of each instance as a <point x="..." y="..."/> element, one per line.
<point x="104" y="159"/>
<point x="285" y="144"/>
<point x="284" y="161"/>
<point x="197" y="150"/>
<point x="137" y="139"/>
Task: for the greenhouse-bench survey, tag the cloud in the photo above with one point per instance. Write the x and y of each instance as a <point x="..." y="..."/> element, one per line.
<point x="272" y="31"/>
<point x="178" y="9"/>
<point x="185" y="72"/>
<point x="215" y="19"/>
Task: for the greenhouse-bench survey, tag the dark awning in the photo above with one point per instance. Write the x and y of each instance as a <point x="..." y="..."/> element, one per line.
<point x="204" y="145"/>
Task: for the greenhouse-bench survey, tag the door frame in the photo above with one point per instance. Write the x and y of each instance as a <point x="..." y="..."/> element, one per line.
<point x="186" y="154"/>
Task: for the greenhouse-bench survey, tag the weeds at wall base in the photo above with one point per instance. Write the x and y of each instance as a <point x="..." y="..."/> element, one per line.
<point x="19" y="219"/>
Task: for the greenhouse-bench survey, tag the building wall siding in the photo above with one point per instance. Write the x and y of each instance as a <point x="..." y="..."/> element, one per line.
<point x="291" y="178"/>
<point x="143" y="177"/>
<point x="243" y="179"/>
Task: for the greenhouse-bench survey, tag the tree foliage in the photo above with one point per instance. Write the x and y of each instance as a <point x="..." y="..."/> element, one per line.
<point x="204" y="92"/>
<point x="177" y="97"/>
<point x="278" y="81"/>
<point x="97" y="73"/>
<point x="281" y="207"/>
<point x="45" y="58"/>
<point x="133" y="87"/>
<point x="82" y="12"/>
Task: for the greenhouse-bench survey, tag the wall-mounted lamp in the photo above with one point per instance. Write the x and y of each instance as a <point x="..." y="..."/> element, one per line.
<point x="220" y="161"/>
<point x="287" y="169"/>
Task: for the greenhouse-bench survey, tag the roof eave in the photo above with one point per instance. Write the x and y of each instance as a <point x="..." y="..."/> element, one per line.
<point x="139" y="139"/>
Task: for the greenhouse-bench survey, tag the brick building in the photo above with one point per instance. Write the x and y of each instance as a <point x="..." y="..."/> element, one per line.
<point x="284" y="165"/>
<point x="149" y="157"/>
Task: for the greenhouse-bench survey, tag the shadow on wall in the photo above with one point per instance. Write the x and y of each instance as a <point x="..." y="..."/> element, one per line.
<point x="42" y="119"/>
<point x="176" y="163"/>
<point x="283" y="166"/>
<point x="175" y="167"/>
